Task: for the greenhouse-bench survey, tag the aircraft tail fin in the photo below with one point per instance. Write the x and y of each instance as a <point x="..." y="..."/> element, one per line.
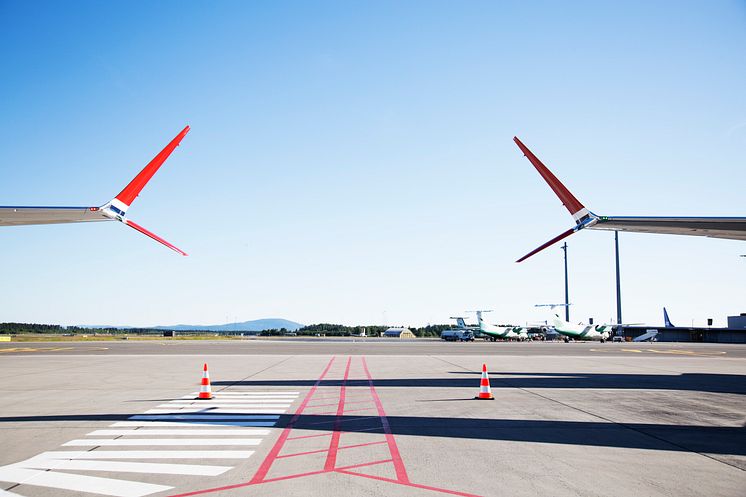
<point x="666" y="321"/>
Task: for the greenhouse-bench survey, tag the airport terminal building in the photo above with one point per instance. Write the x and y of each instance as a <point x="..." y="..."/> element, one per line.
<point x="735" y="332"/>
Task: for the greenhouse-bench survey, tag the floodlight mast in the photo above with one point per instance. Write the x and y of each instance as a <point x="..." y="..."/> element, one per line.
<point x="567" y="296"/>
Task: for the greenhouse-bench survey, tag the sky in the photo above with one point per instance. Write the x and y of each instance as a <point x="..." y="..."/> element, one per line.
<point x="353" y="162"/>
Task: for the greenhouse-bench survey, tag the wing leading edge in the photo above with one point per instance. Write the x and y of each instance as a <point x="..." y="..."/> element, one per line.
<point x="731" y="228"/>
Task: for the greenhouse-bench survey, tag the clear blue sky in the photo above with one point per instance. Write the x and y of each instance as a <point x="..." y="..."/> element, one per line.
<point x="353" y="162"/>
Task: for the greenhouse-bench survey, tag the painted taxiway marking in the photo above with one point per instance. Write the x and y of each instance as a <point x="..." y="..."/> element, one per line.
<point x="203" y="417"/>
<point x="656" y="351"/>
<point x="233" y="417"/>
<point x="175" y="431"/>
<point x="234" y="400"/>
<point x="103" y="442"/>
<point x="230" y="403"/>
<point x="349" y="371"/>
<point x="687" y="352"/>
<point x="40" y="462"/>
<point x="215" y="411"/>
<point x="149" y="454"/>
<point x="120" y="424"/>
<point x="51" y="349"/>
<point x="15" y="473"/>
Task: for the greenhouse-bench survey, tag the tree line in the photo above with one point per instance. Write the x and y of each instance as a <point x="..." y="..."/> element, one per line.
<point x="321" y="329"/>
<point x="329" y="329"/>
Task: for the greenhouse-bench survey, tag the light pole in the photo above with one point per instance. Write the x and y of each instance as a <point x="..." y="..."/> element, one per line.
<point x="618" y="284"/>
<point x="567" y="295"/>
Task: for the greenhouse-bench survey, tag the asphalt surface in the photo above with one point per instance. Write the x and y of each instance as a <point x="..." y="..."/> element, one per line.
<point x="367" y="346"/>
<point x="372" y="419"/>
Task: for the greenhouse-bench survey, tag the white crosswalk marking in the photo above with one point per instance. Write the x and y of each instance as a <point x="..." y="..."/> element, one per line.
<point x="216" y="410"/>
<point x="159" y="417"/>
<point x="79" y="483"/>
<point x="5" y="493"/>
<point x="247" y="393"/>
<point x="103" y="442"/>
<point x="239" y="398"/>
<point x="122" y="424"/>
<point x="39" y="462"/>
<point x="231" y="418"/>
<point x="229" y="403"/>
<point x="203" y="407"/>
<point x="150" y="454"/>
<point x="173" y="432"/>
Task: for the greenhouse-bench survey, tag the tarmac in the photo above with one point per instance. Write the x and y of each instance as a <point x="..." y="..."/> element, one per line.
<point x="372" y="418"/>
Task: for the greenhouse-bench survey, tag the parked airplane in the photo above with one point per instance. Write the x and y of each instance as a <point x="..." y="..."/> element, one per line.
<point x="495" y="332"/>
<point x="601" y="332"/>
<point x="114" y="210"/>
<point x="733" y="228"/>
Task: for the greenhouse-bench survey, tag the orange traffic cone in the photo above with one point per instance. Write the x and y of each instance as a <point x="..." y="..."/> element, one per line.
<point x="484" y="387"/>
<point x="205" y="393"/>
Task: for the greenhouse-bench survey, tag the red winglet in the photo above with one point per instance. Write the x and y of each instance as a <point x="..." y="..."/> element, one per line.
<point x="549" y="243"/>
<point x="155" y="237"/>
<point x="131" y="191"/>
<point x="568" y="199"/>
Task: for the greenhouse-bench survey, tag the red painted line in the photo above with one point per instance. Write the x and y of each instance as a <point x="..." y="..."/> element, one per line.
<point x="331" y="458"/>
<point x="362" y="445"/>
<point x="362" y="465"/>
<point x="359" y="402"/>
<point x="326" y="450"/>
<point x="302" y="453"/>
<point x="355" y="418"/>
<point x="363" y="409"/>
<point x="321" y="405"/>
<point x="289" y="477"/>
<point x="401" y="471"/>
<point x="401" y="474"/>
<point x="408" y="484"/>
<point x="267" y="463"/>
<point x="364" y="430"/>
<point x="309" y="436"/>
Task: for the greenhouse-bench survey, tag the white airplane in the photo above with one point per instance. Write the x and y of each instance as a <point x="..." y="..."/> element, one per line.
<point x="733" y="228"/>
<point x="114" y="210"/>
<point x="502" y="332"/>
<point x="601" y="332"/>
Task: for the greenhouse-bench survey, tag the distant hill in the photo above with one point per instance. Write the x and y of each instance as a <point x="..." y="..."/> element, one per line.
<point x="255" y="325"/>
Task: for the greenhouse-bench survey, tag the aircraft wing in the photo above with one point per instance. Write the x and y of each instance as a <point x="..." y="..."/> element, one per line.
<point x="733" y="228"/>
<point x="114" y="210"/>
<point x="18" y="216"/>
